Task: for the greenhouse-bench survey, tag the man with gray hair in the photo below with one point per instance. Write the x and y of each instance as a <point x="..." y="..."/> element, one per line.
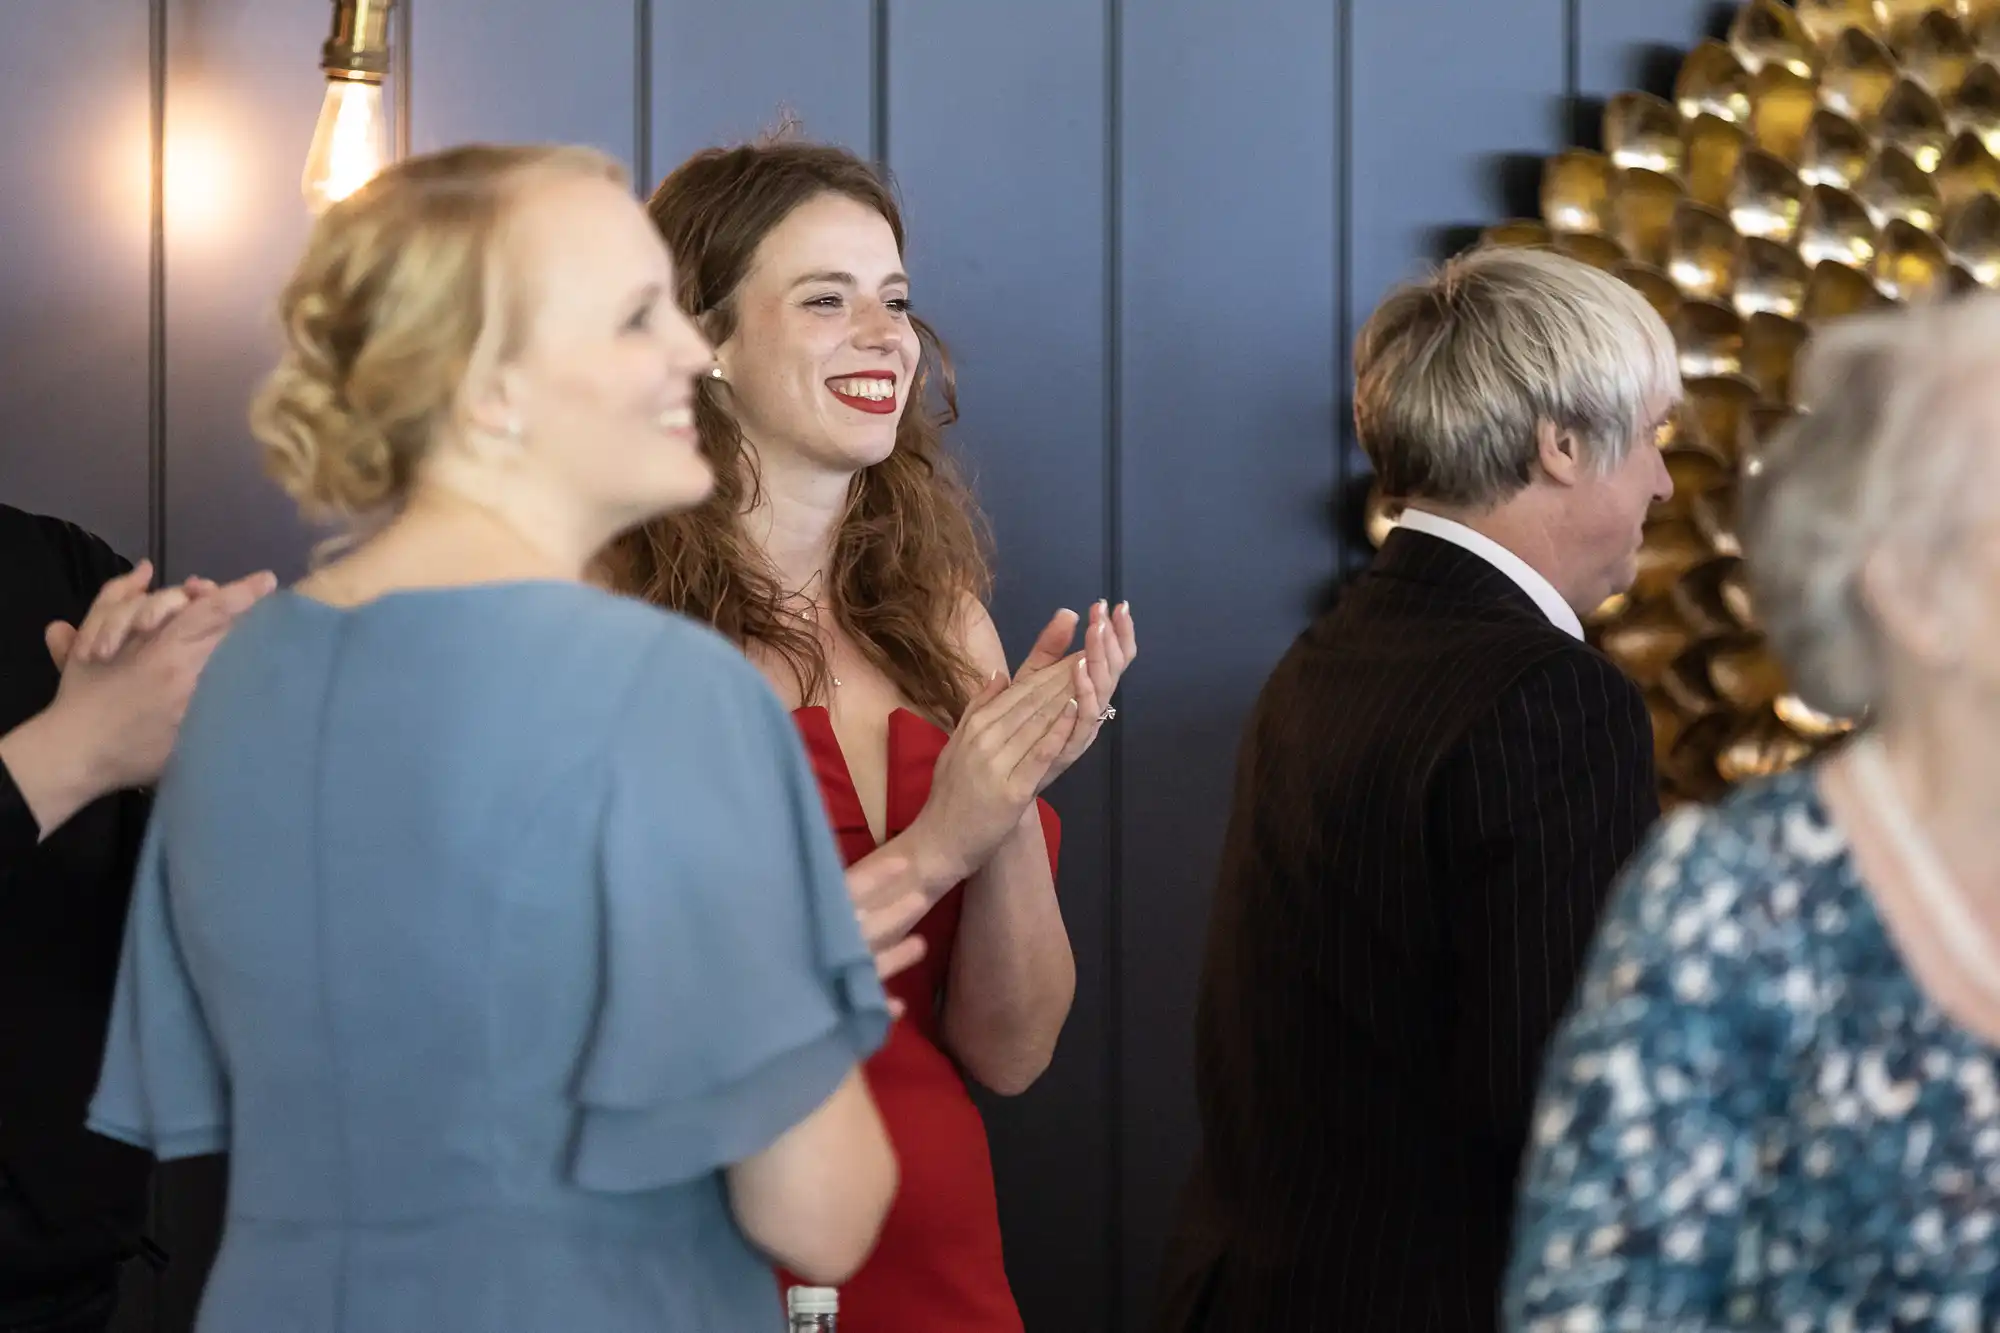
<point x="1438" y="785"/>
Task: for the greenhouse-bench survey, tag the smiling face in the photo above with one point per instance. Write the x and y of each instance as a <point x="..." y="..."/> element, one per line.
<point x="822" y="356"/>
<point x="602" y="381"/>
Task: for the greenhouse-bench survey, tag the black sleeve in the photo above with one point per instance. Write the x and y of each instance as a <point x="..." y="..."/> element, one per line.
<point x="58" y="567"/>
<point x="18" y="830"/>
<point x="1543" y="802"/>
<point x="93" y="564"/>
<point x="87" y="561"/>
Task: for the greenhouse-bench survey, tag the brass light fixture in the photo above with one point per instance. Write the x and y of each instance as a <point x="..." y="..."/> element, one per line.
<point x="1829" y="157"/>
<point x="351" y="142"/>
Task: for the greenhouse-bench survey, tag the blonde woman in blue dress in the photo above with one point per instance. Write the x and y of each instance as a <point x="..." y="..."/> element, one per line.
<point x="524" y="993"/>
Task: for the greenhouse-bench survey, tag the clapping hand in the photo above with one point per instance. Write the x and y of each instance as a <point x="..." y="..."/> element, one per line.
<point x="990" y="771"/>
<point x="1110" y="643"/>
<point x="1014" y="738"/>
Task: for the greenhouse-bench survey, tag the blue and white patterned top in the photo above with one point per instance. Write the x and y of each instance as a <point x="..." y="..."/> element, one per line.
<point x="1755" y="1118"/>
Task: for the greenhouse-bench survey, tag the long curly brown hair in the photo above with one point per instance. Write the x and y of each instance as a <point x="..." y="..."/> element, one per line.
<point x="912" y="544"/>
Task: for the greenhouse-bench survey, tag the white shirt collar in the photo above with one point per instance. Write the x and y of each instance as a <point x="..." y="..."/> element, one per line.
<point x="1560" y="613"/>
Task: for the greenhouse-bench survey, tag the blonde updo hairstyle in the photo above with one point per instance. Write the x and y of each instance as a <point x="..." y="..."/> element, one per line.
<point x="1890" y="458"/>
<point x="401" y="291"/>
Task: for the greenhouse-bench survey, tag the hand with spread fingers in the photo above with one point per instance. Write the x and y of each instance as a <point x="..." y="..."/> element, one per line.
<point x="127" y="673"/>
<point x="1110" y="643"/>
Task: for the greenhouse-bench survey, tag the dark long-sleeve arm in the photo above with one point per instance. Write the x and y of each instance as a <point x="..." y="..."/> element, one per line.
<point x="1546" y="799"/>
<point x="18" y="830"/>
<point x="49" y="570"/>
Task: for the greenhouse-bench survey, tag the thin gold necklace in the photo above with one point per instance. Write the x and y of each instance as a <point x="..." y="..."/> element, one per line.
<point x="811" y="612"/>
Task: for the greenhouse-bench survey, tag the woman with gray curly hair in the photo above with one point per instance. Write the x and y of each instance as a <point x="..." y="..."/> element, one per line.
<point x="1776" y="1103"/>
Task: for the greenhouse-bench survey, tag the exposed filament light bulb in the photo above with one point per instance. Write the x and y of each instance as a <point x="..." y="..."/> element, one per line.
<point x="349" y="145"/>
<point x="351" y="142"/>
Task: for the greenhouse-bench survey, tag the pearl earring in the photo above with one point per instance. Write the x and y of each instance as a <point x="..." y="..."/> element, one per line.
<point x="715" y="372"/>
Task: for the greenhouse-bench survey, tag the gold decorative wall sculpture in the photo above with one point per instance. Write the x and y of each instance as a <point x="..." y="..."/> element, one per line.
<point x="1825" y="159"/>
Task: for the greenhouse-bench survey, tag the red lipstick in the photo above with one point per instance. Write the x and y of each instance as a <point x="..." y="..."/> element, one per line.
<point x="878" y="406"/>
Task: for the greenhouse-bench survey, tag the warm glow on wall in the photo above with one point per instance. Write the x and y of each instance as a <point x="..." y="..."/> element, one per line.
<point x="202" y="151"/>
<point x="202" y="190"/>
<point x="351" y="142"/>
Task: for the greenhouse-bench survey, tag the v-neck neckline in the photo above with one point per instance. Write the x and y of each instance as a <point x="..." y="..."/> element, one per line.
<point x="849" y="791"/>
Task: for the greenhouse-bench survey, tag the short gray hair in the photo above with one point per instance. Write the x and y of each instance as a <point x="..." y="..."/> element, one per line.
<point x="1455" y="373"/>
<point x="1902" y="410"/>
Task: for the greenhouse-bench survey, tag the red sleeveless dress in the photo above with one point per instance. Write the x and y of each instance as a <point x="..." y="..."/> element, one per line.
<point x="938" y="1263"/>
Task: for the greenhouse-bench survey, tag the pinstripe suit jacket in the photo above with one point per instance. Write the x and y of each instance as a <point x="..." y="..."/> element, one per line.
<point x="1433" y="797"/>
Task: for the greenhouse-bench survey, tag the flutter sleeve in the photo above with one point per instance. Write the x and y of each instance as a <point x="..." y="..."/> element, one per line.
<point x="737" y="992"/>
<point x="163" y="1087"/>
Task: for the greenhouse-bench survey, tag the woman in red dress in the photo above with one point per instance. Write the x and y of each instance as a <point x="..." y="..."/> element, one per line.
<point x="843" y="553"/>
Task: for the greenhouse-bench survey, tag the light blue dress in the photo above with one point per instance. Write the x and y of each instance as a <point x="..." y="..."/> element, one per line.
<point x="482" y="927"/>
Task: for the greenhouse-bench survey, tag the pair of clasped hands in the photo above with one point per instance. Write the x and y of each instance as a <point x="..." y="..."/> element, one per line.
<point x="127" y="672"/>
<point x="1015" y="738"/>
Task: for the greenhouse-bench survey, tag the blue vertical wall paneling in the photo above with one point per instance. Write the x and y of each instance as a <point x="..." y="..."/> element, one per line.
<point x="1228" y="312"/>
<point x="1453" y="106"/>
<point x="996" y="132"/>
<point x="524" y="73"/>
<point x="722" y="73"/>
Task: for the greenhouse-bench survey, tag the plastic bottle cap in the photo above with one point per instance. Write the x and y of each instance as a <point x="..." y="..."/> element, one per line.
<point x="813" y="1300"/>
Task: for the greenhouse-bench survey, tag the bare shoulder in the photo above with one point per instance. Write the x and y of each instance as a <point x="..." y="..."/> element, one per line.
<point x="978" y="637"/>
